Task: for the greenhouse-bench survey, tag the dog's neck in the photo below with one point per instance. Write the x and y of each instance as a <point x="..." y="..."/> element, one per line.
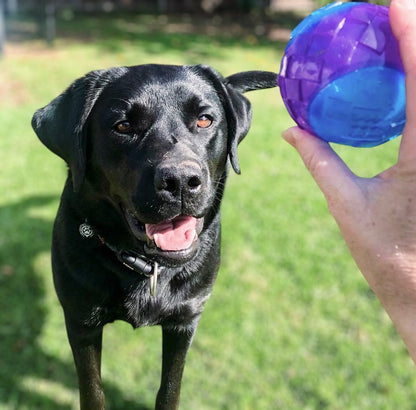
<point x="131" y="259"/>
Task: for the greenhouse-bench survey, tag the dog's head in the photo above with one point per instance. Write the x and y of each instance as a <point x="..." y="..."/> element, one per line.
<point x="154" y="140"/>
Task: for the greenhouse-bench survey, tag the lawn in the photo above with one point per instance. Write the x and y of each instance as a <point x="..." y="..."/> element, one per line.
<point x="291" y="323"/>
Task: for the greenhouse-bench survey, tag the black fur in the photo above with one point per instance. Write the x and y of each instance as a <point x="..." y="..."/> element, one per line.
<point x="155" y="167"/>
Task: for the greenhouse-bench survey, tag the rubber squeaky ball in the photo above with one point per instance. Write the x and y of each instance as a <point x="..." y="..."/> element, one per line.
<point x="341" y="77"/>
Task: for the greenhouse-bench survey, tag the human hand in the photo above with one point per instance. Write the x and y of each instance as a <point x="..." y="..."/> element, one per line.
<point x="377" y="216"/>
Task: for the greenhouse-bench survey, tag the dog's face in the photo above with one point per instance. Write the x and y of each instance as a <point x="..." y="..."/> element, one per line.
<point x="154" y="141"/>
<point x="158" y="148"/>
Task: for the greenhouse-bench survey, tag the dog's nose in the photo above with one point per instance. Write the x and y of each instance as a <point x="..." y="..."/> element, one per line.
<point x="179" y="180"/>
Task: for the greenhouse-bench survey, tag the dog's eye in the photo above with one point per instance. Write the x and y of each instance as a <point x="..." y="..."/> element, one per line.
<point x="124" y="127"/>
<point x="204" y="121"/>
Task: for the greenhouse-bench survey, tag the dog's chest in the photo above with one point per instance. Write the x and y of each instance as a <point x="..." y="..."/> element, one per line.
<point x="170" y="306"/>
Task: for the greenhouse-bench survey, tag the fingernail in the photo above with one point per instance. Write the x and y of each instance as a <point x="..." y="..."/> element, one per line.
<point x="410" y="4"/>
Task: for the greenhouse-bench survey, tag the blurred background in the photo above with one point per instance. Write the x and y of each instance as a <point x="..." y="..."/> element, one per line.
<point x="291" y="323"/>
<point x="44" y="14"/>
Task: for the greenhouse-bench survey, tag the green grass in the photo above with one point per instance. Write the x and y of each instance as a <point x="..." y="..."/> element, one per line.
<point x="291" y="323"/>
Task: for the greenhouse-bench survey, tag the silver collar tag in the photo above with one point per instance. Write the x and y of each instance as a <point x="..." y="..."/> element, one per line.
<point x="153" y="279"/>
<point x="86" y="230"/>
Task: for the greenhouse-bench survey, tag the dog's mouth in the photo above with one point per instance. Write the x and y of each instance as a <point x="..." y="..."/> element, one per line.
<point x="174" y="239"/>
<point x="175" y="235"/>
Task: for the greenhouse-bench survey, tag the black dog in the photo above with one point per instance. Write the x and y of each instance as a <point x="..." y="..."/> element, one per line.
<point x="137" y="235"/>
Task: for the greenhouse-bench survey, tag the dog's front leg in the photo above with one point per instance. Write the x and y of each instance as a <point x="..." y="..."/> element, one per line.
<point x="175" y="347"/>
<point x="87" y="357"/>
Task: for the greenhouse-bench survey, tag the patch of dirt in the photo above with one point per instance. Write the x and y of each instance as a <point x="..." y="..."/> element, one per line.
<point x="12" y="92"/>
<point x="29" y="49"/>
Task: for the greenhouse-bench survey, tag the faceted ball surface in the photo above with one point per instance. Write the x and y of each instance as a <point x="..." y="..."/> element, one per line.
<point x="341" y="77"/>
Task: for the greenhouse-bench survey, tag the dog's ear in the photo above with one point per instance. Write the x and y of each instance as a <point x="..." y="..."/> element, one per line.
<point x="61" y="125"/>
<point x="237" y="84"/>
<point x="237" y="108"/>
<point x="252" y="80"/>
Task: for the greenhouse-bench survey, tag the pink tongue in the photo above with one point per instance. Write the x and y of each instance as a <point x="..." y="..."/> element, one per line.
<point x="175" y="235"/>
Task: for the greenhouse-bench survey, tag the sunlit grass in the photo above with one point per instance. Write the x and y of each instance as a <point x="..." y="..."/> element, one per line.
<point x="291" y="323"/>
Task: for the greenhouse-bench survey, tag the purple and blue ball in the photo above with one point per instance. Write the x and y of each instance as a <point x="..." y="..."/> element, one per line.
<point x="342" y="77"/>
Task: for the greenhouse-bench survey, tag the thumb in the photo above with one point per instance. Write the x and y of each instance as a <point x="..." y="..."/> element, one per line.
<point x="403" y="24"/>
<point x="326" y="167"/>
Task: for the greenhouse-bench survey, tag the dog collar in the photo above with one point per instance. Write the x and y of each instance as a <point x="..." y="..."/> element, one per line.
<point x="131" y="259"/>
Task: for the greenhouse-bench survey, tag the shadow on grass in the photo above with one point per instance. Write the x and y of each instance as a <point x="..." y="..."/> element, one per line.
<point x="22" y="314"/>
